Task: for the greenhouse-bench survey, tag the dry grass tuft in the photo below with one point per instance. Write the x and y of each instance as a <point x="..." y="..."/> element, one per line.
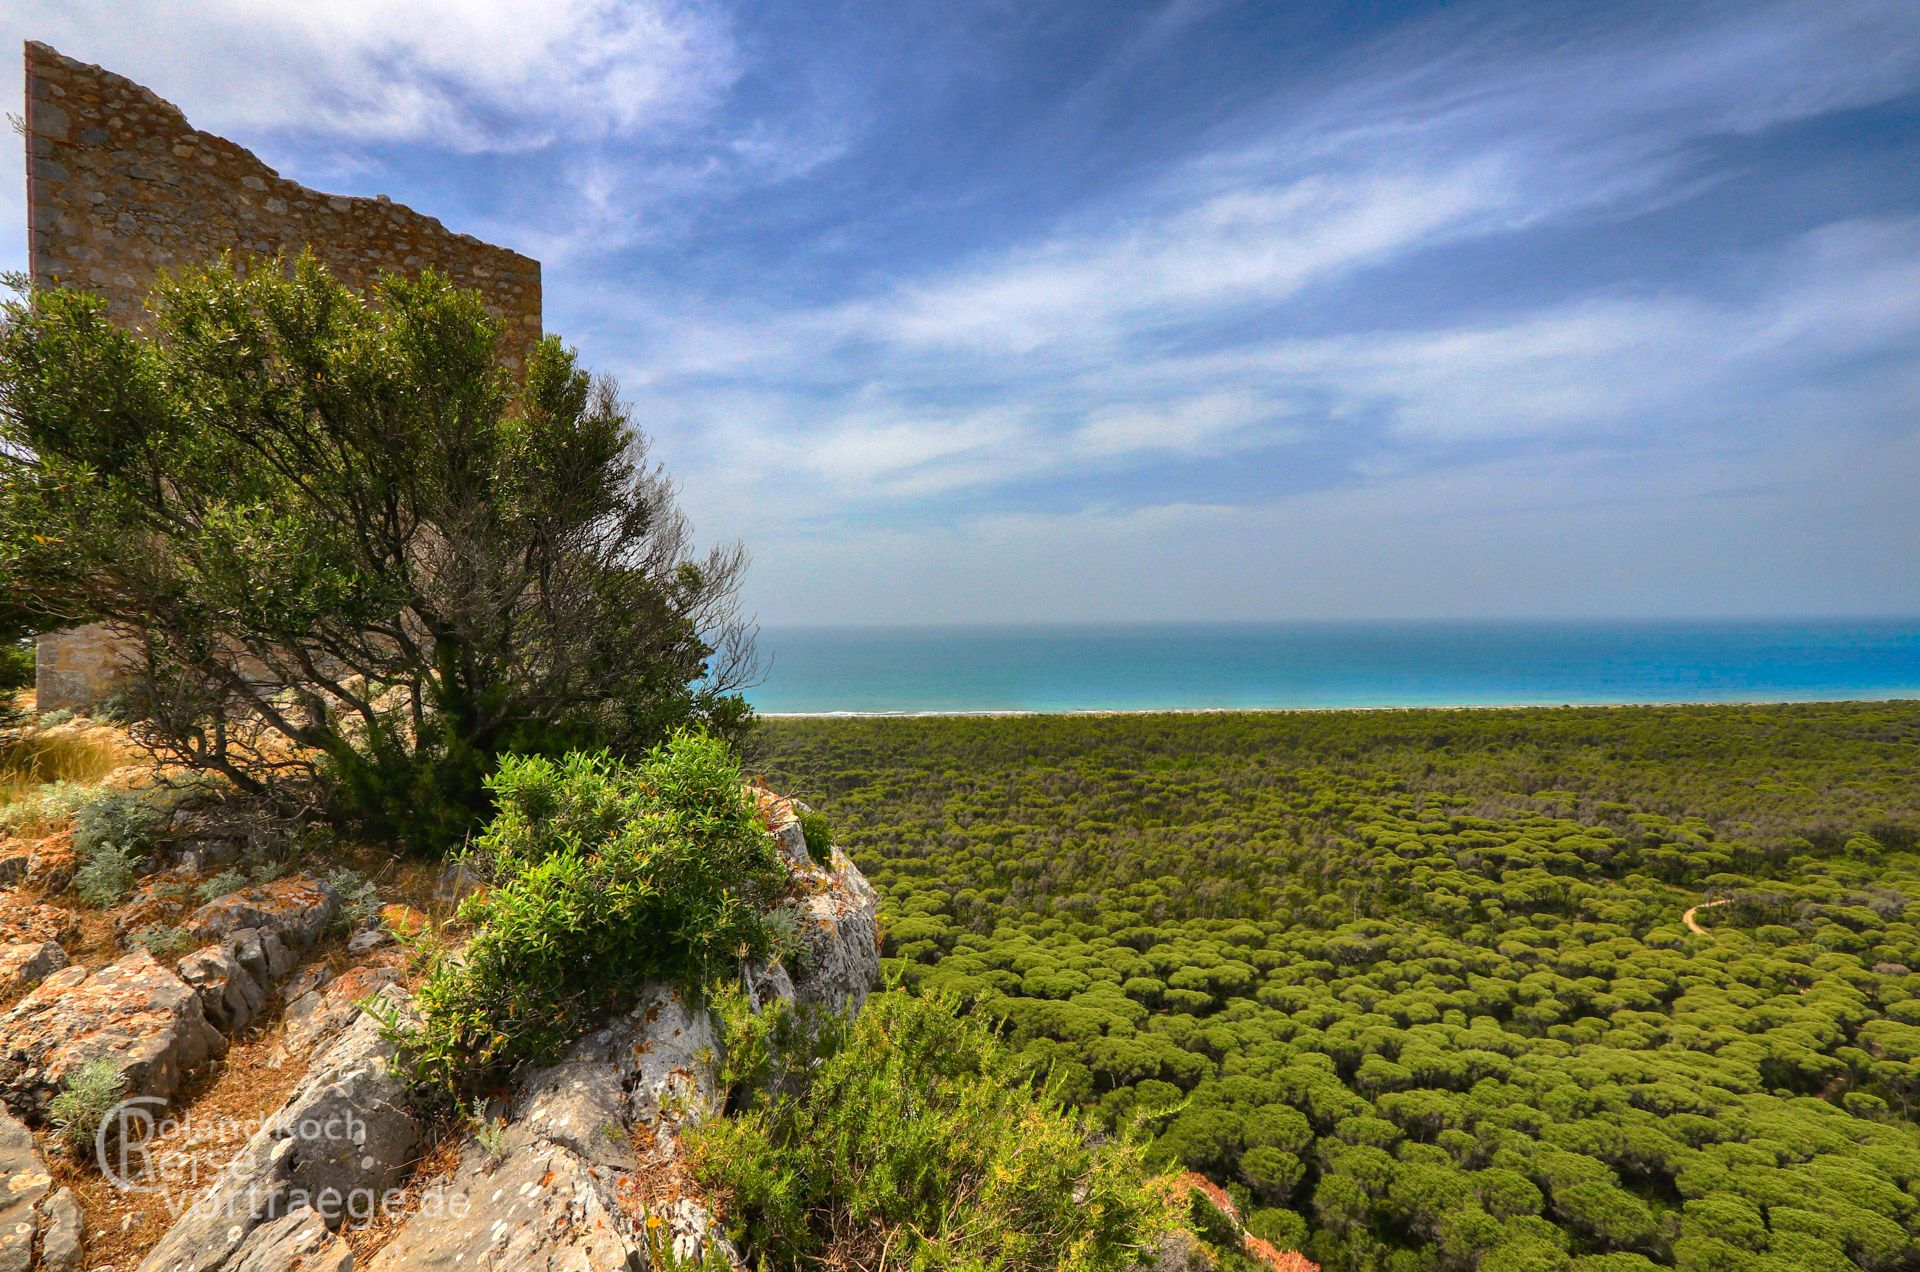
<point x="39" y="758"/>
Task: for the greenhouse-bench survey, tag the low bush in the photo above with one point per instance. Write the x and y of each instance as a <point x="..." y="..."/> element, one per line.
<point x="600" y="877"/>
<point x="216" y="886"/>
<point x="106" y="875"/>
<point x="38" y="808"/>
<point x="359" y="899"/>
<point x="86" y="1097"/>
<point x="917" y="1141"/>
<point x="819" y="836"/>
<point x="162" y="940"/>
<point x="111" y="832"/>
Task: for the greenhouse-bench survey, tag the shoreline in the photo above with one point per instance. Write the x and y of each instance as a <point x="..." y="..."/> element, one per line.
<point x="1911" y="695"/>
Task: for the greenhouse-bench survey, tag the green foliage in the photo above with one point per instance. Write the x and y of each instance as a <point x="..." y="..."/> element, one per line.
<point x="116" y="817"/>
<point x="17" y="626"/>
<point x="1419" y="978"/>
<point x="359" y="898"/>
<point x="601" y="877"/>
<point x="339" y="522"/>
<point x="105" y="876"/>
<point x="916" y="1141"/>
<point x="45" y="807"/>
<point x="490" y="1133"/>
<point x="16" y="664"/>
<point x="86" y="1096"/>
<point x="219" y="885"/>
<point x="111" y="833"/>
<point x="819" y="836"/>
<point x="162" y="940"/>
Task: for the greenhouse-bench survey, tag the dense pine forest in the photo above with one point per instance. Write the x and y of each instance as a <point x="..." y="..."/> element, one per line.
<point x="1421" y="987"/>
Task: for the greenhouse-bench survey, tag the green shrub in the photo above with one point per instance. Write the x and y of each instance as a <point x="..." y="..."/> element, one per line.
<point x="919" y="1141"/>
<point x="359" y="899"/>
<point x="86" y="1097"/>
<point x="572" y="613"/>
<point x="16" y="665"/>
<point x="106" y="875"/>
<point x="786" y="934"/>
<point x="161" y="940"/>
<point x="602" y="877"/>
<point x="45" y="807"/>
<point x="216" y="886"/>
<point x="111" y="832"/>
<point x="819" y="835"/>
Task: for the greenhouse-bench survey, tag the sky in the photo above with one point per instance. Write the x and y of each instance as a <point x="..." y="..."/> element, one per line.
<point x="963" y="312"/>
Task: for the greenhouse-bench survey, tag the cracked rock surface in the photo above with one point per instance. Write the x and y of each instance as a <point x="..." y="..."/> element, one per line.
<point x="134" y="1014"/>
<point x="342" y="1140"/>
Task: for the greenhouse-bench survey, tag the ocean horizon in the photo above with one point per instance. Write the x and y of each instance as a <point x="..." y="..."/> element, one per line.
<point x="1329" y="665"/>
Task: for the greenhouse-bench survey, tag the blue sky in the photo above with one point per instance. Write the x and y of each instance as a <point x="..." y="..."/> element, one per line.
<point x="1008" y="312"/>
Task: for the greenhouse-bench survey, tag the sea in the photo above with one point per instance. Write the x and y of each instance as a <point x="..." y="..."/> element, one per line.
<point x="1253" y="666"/>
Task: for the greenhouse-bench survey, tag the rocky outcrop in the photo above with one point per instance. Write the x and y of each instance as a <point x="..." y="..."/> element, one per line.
<point x="334" y="1150"/>
<point x="315" y="1017"/>
<point x="25" y="964"/>
<point x="135" y="1014"/>
<point x="155" y="1024"/>
<point x="299" y="1240"/>
<point x="230" y="995"/>
<point x="62" y="1232"/>
<point x="588" y="1159"/>
<point x="46" y="864"/>
<point x="34" y="1215"/>
<point x="839" y="916"/>
<point x="293" y="910"/>
<point x="27" y="1186"/>
<point x="25" y="920"/>
<point x="585" y="1172"/>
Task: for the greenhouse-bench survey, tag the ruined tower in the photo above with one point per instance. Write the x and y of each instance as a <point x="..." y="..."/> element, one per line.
<point x="120" y="187"/>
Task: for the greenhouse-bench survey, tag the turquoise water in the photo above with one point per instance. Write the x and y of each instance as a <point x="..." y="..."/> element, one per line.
<point x="1222" y="666"/>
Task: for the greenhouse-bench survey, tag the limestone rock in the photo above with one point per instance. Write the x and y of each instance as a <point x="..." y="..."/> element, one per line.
<point x="841" y="927"/>
<point x="540" y="1208"/>
<point x="341" y="1140"/>
<point x="51" y="863"/>
<point x="590" y="1155"/>
<point x="366" y="940"/>
<point x="295" y="909"/>
<point x="24" y="920"/>
<point x="316" y="1017"/>
<point x="673" y="1049"/>
<point x="298" y="1241"/>
<point x="25" y="964"/>
<point x="840" y="916"/>
<point x="134" y="1013"/>
<point x="62" y="1231"/>
<point x="229" y="994"/>
<point x="403" y="920"/>
<point x="264" y="955"/>
<point x="311" y="979"/>
<point x="24" y="1184"/>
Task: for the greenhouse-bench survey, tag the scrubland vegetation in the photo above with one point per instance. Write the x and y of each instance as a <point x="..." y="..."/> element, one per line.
<point x="373" y="586"/>
<point x="1416" y="986"/>
<point x="601" y="877"/>
<point x="911" y="1137"/>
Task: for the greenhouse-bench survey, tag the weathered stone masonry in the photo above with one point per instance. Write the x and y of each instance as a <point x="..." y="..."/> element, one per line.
<point x="121" y="187"/>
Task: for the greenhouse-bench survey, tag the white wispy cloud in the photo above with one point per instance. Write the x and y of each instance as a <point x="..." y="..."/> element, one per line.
<point x="1078" y="350"/>
<point x="456" y="74"/>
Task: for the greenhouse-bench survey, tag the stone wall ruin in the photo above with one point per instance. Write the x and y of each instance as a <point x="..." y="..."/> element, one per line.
<point x="121" y="187"/>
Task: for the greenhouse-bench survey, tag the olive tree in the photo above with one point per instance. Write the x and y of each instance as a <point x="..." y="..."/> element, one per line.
<point x="348" y="546"/>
